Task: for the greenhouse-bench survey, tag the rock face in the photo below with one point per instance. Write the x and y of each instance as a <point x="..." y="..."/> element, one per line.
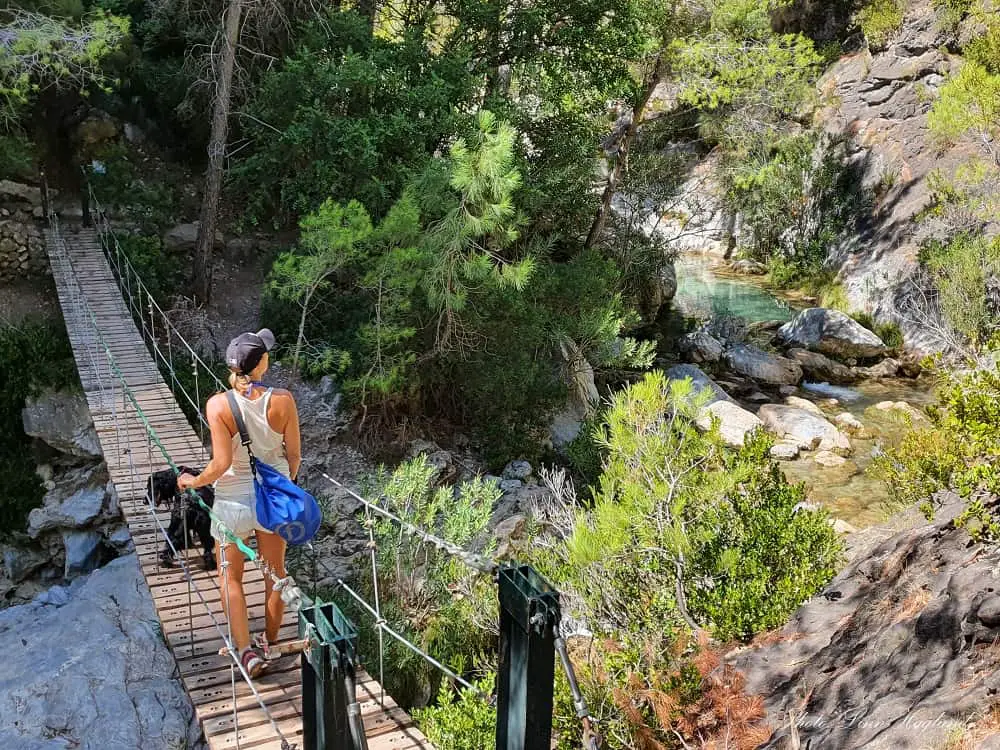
<point x="734" y="421"/>
<point x="62" y="420"/>
<point x="761" y="366"/>
<point x="183" y="237"/>
<point x="831" y="332"/>
<point x="808" y="430"/>
<point x="880" y="100"/>
<point x="816" y="366"/>
<point x="894" y="653"/>
<point x="91" y="669"/>
<point x="699" y="380"/>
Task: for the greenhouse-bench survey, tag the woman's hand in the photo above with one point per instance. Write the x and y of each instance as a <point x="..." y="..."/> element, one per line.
<point x="186" y="481"/>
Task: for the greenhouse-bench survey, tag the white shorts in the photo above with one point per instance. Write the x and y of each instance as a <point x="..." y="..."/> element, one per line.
<point x="235" y="507"/>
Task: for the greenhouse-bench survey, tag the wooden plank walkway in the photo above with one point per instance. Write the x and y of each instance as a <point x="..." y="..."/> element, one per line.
<point x="88" y="293"/>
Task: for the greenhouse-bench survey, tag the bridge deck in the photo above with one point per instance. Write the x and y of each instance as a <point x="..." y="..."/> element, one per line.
<point x="86" y="288"/>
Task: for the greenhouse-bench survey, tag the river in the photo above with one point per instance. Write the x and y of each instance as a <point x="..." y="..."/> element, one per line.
<point x="848" y="491"/>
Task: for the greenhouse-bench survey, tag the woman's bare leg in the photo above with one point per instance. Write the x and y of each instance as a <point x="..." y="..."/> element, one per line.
<point x="235" y="605"/>
<point x="272" y="550"/>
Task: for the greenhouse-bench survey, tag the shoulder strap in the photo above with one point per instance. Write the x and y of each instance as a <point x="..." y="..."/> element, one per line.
<point x="240" y="424"/>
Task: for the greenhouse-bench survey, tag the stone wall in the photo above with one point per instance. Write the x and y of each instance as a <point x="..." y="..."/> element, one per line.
<point x="22" y="248"/>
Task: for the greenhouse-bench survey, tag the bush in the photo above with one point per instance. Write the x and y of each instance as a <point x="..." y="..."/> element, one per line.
<point x="890" y="333"/>
<point x="163" y="275"/>
<point x="958" y="451"/>
<point x="460" y="722"/>
<point x="964" y="271"/>
<point x="716" y="533"/>
<point x="17" y="157"/>
<point x="880" y="20"/>
<point x="32" y="357"/>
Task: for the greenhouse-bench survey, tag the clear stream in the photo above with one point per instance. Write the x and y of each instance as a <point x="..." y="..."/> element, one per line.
<point x="848" y="491"/>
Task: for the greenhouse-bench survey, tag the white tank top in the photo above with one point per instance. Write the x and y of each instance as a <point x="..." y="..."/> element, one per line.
<point x="268" y="446"/>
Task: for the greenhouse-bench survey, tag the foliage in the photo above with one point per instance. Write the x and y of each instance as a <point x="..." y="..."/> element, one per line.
<point x="427" y="595"/>
<point x="798" y="198"/>
<point x="716" y="534"/>
<point x="880" y="20"/>
<point x="584" y="453"/>
<point x="40" y="52"/>
<point x="890" y="333"/>
<point x="958" y="451"/>
<point x="462" y="722"/>
<point x="347" y="116"/>
<point x="953" y="11"/>
<point x="33" y="356"/>
<point x="126" y="184"/>
<point x="158" y="271"/>
<point x="965" y="272"/>
<point x="17" y="156"/>
<point x="969" y="101"/>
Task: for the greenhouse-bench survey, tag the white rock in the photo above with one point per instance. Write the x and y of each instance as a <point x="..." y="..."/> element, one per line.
<point x="804" y="403"/>
<point x="850" y="423"/>
<point x="806" y="429"/>
<point x="829" y="459"/>
<point x="784" y="451"/>
<point x="734" y="421"/>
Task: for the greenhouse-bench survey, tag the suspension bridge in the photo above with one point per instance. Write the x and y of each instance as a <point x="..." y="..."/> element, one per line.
<point x="138" y="371"/>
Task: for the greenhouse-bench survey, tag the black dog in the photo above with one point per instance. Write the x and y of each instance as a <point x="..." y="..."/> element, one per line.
<point x="161" y="489"/>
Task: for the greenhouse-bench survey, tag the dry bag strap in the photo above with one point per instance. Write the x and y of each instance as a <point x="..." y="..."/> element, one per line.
<point x="242" y="427"/>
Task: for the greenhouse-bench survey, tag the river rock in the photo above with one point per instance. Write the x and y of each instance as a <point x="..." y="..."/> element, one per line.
<point x="831" y="332"/>
<point x="90" y="669"/>
<point x="701" y="346"/>
<point x="820" y="367"/>
<point x="759" y="365"/>
<point x="803" y="403"/>
<point x="785" y="451"/>
<point x="517" y="470"/>
<point x="75" y="501"/>
<point x="829" y="459"/>
<point x="62" y="420"/>
<point x="887" y="368"/>
<point x="748" y="267"/>
<point x="734" y="421"/>
<point x="806" y="429"/>
<point x="850" y="424"/>
<point x="699" y="380"/>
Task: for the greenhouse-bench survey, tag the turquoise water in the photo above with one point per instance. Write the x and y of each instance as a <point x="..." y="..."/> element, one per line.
<point x="702" y="294"/>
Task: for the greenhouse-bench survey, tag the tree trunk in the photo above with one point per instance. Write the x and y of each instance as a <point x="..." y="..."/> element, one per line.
<point x="368" y="9"/>
<point x="621" y="159"/>
<point x="216" y="156"/>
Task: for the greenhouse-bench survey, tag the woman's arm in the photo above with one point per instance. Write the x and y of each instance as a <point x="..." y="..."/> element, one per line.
<point x="293" y="440"/>
<point x="222" y="447"/>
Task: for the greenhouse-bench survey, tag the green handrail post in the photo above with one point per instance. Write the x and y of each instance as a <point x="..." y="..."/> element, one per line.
<point x="529" y="616"/>
<point x="326" y="665"/>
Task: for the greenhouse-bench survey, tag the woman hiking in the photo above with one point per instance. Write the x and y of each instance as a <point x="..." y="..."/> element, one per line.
<point x="272" y="422"/>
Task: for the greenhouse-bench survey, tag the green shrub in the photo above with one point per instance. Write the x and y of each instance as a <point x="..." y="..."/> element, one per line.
<point x="953" y="11"/>
<point x="162" y="274"/>
<point x="959" y="450"/>
<point x="462" y="722"/>
<point x="715" y="533"/>
<point x="880" y="20"/>
<point x="962" y="270"/>
<point x="17" y="157"/>
<point x="890" y="333"/>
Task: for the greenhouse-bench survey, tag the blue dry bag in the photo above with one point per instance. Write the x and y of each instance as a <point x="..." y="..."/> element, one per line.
<point x="282" y="506"/>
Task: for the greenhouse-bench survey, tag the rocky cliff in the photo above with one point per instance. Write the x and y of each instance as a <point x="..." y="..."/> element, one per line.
<point x="880" y="101"/>
<point x="898" y="652"/>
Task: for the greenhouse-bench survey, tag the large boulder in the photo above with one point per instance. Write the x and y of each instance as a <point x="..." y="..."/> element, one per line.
<point x="91" y="670"/>
<point x="817" y="366"/>
<point x="699" y="380"/>
<point x="761" y="366"/>
<point x="62" y="420"/>
<point x="701" y="346"/>
<point x="833" y="333"/>
<point x="808" y="430"/>
<point x="20" y="562"/>
<point x="15" y="191"/>
<point x="84" y="552"/>
<point x="183" y="237"/>
<point x="734" y="421"/>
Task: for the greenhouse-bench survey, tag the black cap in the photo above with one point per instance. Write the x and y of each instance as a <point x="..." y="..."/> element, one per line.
<point x="246" y="350"/>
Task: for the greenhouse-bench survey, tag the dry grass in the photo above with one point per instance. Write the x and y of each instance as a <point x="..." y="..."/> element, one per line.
<point x="912" y="605"/>
<point x="976" y="731"/>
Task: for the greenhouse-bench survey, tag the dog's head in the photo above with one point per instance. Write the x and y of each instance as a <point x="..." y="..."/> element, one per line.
<point x="161" y="487"/>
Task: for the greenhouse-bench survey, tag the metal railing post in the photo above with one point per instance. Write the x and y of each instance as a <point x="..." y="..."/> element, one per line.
<point x="529" y="615"/>
<point x="327" y="671"/>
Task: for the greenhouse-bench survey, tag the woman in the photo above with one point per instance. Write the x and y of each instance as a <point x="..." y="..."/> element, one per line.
<point x="273" y="425"/>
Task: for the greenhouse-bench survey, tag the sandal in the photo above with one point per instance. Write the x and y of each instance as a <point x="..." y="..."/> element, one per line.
<point x="252" y="662"/>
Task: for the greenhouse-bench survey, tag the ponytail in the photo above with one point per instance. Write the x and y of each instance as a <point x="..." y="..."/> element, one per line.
<point x="238" y="382"/>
